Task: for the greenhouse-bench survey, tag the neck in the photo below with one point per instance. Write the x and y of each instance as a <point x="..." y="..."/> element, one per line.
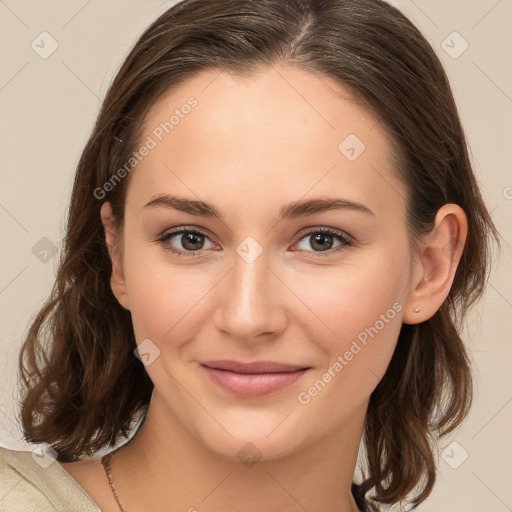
<point x="165" y="464"/>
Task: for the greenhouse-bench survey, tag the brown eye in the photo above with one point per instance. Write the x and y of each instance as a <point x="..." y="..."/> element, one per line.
<point x="185" y="241"/>
<point x="192" y="241"/>
<point x="324" y="241"/>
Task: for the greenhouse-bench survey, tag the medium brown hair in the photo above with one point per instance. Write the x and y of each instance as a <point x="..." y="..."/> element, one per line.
<point x="82" y="384"/>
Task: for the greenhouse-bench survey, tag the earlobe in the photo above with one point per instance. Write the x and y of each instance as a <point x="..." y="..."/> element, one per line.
<point x="117" y="279"/>
<point x="435" y="266"/>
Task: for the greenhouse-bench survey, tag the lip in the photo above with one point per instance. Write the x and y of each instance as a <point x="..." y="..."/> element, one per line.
<point x="252" y="367"/>
<point x="253" y="379"/>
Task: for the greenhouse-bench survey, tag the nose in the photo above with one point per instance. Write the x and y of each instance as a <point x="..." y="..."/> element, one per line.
<point x="251" y="301"/>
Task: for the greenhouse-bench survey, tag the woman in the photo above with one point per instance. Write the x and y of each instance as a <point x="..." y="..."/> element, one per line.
<point x="274" y="234"/>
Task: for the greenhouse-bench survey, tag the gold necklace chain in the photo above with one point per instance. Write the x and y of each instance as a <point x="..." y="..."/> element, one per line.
<point x="105" y="462"/>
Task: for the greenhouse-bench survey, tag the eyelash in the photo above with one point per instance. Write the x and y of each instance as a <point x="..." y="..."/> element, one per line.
<point x="345" y="240"/>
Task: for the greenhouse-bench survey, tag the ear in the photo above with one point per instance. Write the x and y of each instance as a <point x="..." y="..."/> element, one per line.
<point x="435" y="265"/>
<point x="117" y="279"/>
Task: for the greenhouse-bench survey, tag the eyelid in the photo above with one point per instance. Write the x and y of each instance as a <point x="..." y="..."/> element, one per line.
<point x="325" y="229"/>
<point x="184" y="229"/>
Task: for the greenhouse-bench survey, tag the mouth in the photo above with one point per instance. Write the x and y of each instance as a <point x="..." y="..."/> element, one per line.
<point x="253" y="379"/>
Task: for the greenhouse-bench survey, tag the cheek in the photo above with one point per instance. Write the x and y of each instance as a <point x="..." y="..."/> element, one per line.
<point x="358" y="313"/>
<point x="356" y="366"/>
<point x="164" y="297"/>
<point x="352" y="297"/>
<point x="355" y="358"/>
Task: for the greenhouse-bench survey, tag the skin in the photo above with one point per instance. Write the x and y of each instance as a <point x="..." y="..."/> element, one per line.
<point x="251" y="146"/>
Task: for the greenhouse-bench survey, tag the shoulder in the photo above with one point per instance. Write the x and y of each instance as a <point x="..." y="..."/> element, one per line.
<point x="37" y="483"/>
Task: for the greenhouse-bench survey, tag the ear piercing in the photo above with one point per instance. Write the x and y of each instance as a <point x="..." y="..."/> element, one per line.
<point x="417" y="310"/>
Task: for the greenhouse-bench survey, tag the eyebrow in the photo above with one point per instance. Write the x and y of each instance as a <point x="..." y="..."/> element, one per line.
<point x="292" y="210"/>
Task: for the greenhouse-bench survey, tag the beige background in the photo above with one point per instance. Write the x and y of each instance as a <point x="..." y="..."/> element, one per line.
<point x="48" y="108"/>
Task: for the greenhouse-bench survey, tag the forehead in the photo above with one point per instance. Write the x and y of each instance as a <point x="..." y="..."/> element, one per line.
<point x="278" y="134"/>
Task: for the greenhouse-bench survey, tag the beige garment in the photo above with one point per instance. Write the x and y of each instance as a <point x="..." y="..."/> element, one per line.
<point x="26" y="486"/>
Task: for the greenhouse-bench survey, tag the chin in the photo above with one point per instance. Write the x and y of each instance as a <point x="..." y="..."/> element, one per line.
<point x="252" y="441"/>
<point x="250" y="450"/>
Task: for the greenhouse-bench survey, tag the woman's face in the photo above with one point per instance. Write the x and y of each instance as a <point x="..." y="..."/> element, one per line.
<point x="254" y="284"/>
